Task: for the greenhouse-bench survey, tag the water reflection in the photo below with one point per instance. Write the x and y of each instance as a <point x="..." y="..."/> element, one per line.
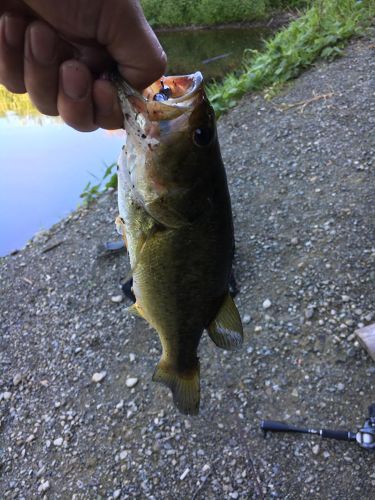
<point x="214" y="52"/>
<point x="43" y="170"/>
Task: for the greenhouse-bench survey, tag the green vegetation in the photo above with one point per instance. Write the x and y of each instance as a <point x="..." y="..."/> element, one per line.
<point x="169" y="13"/>
<point x="19" y="103"/>
<point x="321" y="32"/>
<point x="109" y="180"/>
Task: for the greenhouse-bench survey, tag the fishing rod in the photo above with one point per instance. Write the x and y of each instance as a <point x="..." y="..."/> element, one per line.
<point x="364" y="437"/>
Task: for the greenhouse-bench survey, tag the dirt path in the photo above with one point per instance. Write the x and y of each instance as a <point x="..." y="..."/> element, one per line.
<point x="302" y="183"/>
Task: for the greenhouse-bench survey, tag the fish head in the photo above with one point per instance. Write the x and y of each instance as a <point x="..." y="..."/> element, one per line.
<point x="171" y="126"/>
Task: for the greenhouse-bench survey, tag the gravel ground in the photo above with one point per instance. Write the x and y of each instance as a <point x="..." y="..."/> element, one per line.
<point x="80" y="417"/>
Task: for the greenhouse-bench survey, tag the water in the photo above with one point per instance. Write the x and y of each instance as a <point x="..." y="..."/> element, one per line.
<point x="45" y="165"/>
<point x="214" y="52"/>
<point x="43" y="171"/>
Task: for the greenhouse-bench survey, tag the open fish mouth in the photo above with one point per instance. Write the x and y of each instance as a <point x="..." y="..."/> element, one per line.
<point x="164" y="100"/>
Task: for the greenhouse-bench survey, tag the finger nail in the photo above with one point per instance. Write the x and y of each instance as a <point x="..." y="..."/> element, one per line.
<point x="14" y="31"/>
<point x="42" y="44"/>
<point x="74" y="82"/>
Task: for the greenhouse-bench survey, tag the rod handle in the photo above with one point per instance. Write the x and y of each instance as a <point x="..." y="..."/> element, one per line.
<point x="339" y="435"/>
<point x="275" y="426"/>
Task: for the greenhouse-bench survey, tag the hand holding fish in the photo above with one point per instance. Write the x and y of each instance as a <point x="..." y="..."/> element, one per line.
<point x="57" y="51"/>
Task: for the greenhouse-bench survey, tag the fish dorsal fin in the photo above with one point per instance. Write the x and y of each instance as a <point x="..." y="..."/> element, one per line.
<point x="135" y="310"/>
<point x="226" y="329"/>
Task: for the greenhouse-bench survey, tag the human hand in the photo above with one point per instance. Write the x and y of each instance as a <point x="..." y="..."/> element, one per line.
<point x="56" y="51"/>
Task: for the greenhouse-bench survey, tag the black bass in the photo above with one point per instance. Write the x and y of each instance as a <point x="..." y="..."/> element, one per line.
<point x="176" y="221"/>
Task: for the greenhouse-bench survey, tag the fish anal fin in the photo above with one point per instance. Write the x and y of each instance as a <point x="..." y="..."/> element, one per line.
<point x="226" y="329"/>
<point x="135" y="310"/>
<point x="185" y="386"/>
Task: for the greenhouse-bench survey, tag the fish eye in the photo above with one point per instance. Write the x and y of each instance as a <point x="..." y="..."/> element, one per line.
<point x="203" y="136"/>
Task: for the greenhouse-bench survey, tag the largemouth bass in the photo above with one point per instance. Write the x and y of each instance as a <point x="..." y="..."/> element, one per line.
<point x="175" y="218"/>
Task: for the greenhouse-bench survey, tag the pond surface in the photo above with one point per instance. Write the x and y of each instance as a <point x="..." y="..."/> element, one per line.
<point x="214" y="52"/>
<point x="43" y="171"/>
<point x="45" y="165"/>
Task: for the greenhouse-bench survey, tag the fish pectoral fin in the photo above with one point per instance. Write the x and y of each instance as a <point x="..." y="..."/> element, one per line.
<point x="135" y="310"/>
<point x="121" y="229"/>
<point x="185" y="386"/>
<point x="226" y="329"/>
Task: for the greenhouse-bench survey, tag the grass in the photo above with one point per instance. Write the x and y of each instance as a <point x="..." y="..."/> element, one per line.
<point x="321" y="32"/>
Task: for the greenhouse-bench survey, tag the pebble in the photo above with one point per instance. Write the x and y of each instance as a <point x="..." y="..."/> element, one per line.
<point x="184" y="474"/>
<point x="131" y="357"/>
<point x="58" y="441"/>
<point x="5" y="395"/>
<point x="309" y="312"/>
<point x="316" y="449"/>
<point x="43" y="487"/>
<point x="246" y="319"/>
<point x="123" y="454"/>
<point x="117" y="298"/>
<point x="267" y="304"/>
<point x="116" y="493"/>
<point x="340" y="386"/>
<point x="131" y="382"/>
<point x="17" y="379"/>
<point x="99" y="376"/>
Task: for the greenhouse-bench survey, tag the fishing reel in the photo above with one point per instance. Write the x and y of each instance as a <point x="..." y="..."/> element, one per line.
<point x="365" y="436"/>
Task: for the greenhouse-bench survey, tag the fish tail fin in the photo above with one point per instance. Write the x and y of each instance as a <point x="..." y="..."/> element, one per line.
<point x="185" y="386"/>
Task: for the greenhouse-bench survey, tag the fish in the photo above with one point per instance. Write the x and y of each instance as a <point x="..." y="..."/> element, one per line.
<point x="175" y="218"/>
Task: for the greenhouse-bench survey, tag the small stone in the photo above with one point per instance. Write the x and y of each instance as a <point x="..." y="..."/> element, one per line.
<point x="340" y="386"/>
<point x="246" y="319"/>
<point x="184" y="474"/>
<point x="99" y="376"/>
<point x="326" y="454"/>
<point x="131" y="357"/>
<point x="5" y="396"/>
<point x="58" y="441"/>
<point x="131" y="382"/>
<point x="43" y="487"/>
<point x="123" y="454"/>
<point x="120" y="405"/>
<point x="294" y="241"/>
<point x="267" y="304"/>
<point x="295" y="393"/>
<point x="30" y="438"/>
<point x="17" y="379"/>
<point x="316" y="449"/>
<point x="309" y="312"/>
<point x="116" y="493"/>
<point x="345" y="298"/>
<point x="117" y="298"/>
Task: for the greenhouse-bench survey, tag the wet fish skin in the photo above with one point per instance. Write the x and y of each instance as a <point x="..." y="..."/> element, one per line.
<point x="177" y="224"/>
